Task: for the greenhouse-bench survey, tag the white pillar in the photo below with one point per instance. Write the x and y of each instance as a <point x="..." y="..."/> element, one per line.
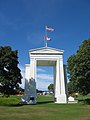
<point x="60" y="94"/>
<point x="33" y="69"/>
<point x="62" y="83"/>
<point x="57" y="83"/>
<point x="33" y="76"/>
<point x="27" y="75"/>
<point x="27" y="71"/>
<point x="54" y="75"/>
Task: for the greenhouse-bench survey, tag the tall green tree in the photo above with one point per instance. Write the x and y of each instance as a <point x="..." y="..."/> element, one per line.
<point x="79" y="68"/>
<point x="10" y="74"/>
<point x="72" y="88"/>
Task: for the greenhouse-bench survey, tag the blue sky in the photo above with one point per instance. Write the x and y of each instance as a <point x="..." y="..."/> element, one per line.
<point x="22" y="26"/>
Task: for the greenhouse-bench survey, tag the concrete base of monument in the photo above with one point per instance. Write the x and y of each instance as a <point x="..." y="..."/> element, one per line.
<point x="61" y="99"/>
<point x="32" y="101"/>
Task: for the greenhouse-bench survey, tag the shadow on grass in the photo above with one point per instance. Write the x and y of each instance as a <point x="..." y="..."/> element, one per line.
<point x="17" y="105"/>
<point x="21" y="104"/>
<point x="85" y="101"/>
<point x="45" y="102"/>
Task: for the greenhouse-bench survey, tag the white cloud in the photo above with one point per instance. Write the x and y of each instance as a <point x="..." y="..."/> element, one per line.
<point x="40" y="70"/>
<point x="43" y="81"/>
<point x="42" y="85"/>
<point x="45" y="77"/>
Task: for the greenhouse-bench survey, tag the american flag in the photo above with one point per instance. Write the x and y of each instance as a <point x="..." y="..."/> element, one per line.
<point x="49" y="28"/>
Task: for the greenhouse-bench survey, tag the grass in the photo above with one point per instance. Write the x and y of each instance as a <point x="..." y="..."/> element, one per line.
<point x="46" y="110"/>
<point x="9" y="101"/>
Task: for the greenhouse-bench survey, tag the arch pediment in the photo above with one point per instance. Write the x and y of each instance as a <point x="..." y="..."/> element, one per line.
<point x="46" y="50"/>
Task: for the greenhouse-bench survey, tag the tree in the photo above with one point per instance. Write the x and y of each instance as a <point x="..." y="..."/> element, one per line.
<point x="51" y="87"/>
<point x="72" y="88"/>
<point x="79" y="68"/>
<point x="10" y="75"/>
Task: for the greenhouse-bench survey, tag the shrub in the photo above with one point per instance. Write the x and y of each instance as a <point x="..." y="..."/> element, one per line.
<point x="87" y="101"/>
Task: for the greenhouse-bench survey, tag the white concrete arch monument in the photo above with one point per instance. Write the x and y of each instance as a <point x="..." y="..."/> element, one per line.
<point x="46" y="56"/>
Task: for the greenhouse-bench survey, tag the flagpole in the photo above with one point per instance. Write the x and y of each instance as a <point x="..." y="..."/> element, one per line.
<point x="45" y="36"/>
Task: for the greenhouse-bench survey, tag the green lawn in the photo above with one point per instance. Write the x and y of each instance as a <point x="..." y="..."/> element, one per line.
<point x="46" y="110"/>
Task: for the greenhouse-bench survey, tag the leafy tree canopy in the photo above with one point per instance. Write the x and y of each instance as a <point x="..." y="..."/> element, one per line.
<point x="51" y="87"/>
<point x="79" y="67"/>
<point x="10" y="74"/>
<point x="72" y="88"/>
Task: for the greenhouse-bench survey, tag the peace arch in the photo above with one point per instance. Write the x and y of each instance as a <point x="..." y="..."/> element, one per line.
<point x="46" y="56"/>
